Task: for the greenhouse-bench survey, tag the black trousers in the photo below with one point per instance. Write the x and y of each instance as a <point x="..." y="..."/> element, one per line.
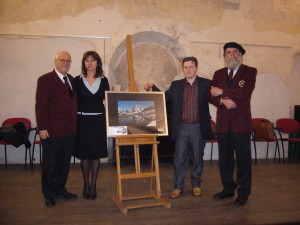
<point x="238" y="143"/>
<point x="56" y="164"/>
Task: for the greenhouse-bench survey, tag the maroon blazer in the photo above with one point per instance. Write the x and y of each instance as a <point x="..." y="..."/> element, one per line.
<point x="238" y="119"/>
<point x="56" y="110"/>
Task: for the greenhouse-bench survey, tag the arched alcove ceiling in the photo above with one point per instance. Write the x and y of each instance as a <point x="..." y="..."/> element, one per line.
<point x="156" y="58"/>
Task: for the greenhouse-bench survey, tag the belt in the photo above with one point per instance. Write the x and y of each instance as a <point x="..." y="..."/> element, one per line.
<point x="88" y="114"/>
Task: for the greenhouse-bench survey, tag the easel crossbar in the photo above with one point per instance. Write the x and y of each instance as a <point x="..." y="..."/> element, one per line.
<point x="126" y="198"/>
<point x="137" y="140"/>
<point x="146" y="204"/>
<point x="155" y="192"/>
<point x="138" y="175"/>
<point x="138" y="143"/>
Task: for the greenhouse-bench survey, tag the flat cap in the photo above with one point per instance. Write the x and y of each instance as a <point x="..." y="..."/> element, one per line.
<point x="234" y="45"/>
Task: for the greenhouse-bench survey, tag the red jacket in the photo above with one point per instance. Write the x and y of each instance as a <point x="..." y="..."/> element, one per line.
<point x="56" y="110"/>
<point x="239" y="119"/>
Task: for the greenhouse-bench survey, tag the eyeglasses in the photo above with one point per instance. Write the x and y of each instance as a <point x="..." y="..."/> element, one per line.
<point x="64" y="60"/>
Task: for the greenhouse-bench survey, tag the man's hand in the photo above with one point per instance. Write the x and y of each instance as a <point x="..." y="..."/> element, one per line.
<point x="44" y="134"/>
<point x="228" y="103"/>
<point x="215" y="91"/>
<point x="148" y="86"/>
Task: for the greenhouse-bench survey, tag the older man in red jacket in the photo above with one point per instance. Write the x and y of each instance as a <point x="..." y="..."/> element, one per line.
<point x="231" y="92"/>
<point x="56" y="107"/>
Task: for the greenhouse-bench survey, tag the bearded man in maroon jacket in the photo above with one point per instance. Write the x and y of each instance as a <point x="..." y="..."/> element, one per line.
<point x="231" y="91"/>
<point x="56" y="107"/>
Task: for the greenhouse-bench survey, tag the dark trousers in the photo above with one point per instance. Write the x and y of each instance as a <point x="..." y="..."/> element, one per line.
<point x="56" y="164"/>
<point x="240" y="144"/>
<point x="189" y="141"/>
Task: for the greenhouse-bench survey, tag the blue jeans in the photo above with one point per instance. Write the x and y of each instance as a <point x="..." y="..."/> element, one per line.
<point x="189" y="141"/>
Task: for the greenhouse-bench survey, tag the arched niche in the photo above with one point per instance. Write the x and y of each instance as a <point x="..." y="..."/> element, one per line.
<point x="156" y="59"/>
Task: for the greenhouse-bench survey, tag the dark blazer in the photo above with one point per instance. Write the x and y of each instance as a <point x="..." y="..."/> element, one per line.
<point x="56" y="110"/>
<point x="87" y="102"/>
<point x="240" y="92"/>
<point x="175" y="94"/>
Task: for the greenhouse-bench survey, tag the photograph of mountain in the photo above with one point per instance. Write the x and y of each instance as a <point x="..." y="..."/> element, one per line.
<point x="129" y="113"/>
<point x="136" y="113"/>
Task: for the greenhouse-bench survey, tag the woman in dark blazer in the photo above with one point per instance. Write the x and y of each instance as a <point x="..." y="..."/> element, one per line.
<point x="91" y="140"/>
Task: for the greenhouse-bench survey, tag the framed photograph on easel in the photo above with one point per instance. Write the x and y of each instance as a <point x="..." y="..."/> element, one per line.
<point x="135" y="113"/>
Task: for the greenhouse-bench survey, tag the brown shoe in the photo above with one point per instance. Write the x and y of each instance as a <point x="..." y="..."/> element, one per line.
<point x="176" y="193"/>
<point x="196" y="191"/>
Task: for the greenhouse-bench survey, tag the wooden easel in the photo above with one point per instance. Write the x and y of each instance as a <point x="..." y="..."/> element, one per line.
<point x="136" y="140"/>
<point x="132" y="84"/>
<point x="154" y="192"/>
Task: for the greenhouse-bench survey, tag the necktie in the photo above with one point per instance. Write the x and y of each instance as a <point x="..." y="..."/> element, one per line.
<point x="230" y="75"/>
<point x="67" y="85"/>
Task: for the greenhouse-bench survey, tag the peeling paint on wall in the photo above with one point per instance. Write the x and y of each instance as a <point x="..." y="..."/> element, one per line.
<point x="199" y="14"/>
<point x="281" y="15"/>
<point x="23" y="11"/>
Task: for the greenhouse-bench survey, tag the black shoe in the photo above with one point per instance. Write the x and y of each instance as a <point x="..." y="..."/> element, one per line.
<point x="223" y="194"/>
<point x="93" y="192"/>
<point x="240" y="200"/>
<point x="85" y="194"/>
<point x="67" y="195"/>
<point x="50" y="202"/>
<point x="93" y="196"/>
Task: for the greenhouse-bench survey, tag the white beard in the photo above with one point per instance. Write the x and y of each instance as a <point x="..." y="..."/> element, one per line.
<point x="233" y="62"/>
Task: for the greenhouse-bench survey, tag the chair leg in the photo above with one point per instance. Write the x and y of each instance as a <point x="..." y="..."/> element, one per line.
<point x="25" y="158"/>
<point x="211" y="151"/>
<point x="277" y="149"/>
<point x="33" y="159"/>
<point x="255" y="151"/>
<point x="28" y="152"/>
<point x="267" y="150"/>
<point x="294" y="150"/>
<point x="30" y="159"/>
<point x="5" y="155"/>
<point x="40" y="154"/>
<point x="282" y="151"/>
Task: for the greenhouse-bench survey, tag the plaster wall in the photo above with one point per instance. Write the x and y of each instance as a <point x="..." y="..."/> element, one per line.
<point x="32" y="31"/>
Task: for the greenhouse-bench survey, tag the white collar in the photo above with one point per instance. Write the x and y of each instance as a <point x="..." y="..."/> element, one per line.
<point x="234" y="71"/>
<point x="60" y="75"/>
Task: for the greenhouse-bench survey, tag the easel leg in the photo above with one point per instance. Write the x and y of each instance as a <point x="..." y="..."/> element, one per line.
<point x="155" y="158"/>
<point x="154" y="194"/>
<point x="119" y="184"/>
